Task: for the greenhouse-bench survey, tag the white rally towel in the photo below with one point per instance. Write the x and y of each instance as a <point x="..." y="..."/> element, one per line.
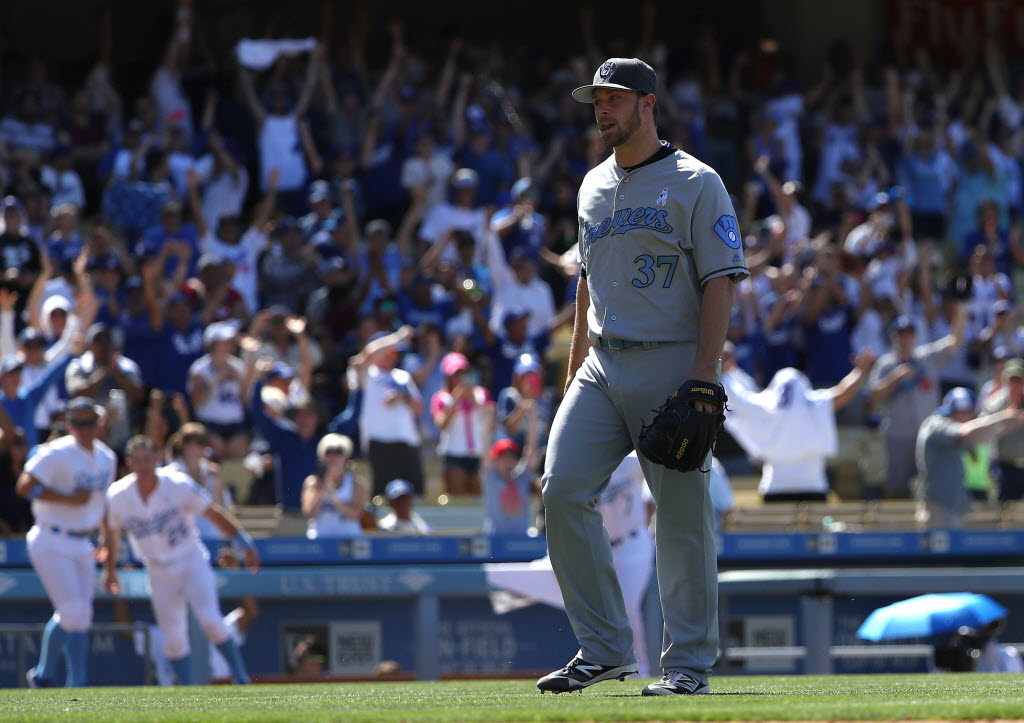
<point x="261" y="54"/>
<point x="517" y="584"/>
<point x="786" y="423"/>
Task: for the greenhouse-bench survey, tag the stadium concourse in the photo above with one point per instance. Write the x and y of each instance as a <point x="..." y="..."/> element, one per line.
<point x="329" y="267"/>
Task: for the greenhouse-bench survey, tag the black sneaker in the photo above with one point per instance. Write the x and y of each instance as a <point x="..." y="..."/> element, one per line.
<point x="579" y="674"/>
<point x="677" y="683"/>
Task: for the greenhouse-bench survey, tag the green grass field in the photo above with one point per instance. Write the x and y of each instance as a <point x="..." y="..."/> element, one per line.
<point x="896" y="697"/>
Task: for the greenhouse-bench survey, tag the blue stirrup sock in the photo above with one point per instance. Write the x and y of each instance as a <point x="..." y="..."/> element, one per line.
<point x="182" y="669"/>
<point x="76" y="655"/>
<point x="233" y="656"/>
<point x="50" y="649"/>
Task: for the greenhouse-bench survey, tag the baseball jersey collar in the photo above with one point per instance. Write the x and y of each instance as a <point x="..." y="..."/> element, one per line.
<point x="666" y="150"/>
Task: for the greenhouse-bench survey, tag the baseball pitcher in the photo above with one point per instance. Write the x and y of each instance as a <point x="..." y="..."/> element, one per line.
<point x="661" y="251"/>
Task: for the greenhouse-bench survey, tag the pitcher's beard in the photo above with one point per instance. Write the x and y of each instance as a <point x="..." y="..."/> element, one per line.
<point x="620" y="133"/>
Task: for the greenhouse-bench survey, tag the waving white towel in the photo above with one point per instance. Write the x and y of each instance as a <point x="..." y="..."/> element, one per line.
<point x="788" y="422"/>
<point x="261" y="54"/>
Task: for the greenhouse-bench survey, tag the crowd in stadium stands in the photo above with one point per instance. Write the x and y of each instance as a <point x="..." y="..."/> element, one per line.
<point x="281" y="256"/>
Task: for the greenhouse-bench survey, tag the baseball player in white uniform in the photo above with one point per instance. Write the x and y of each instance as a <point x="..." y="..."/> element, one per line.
<point x="661" y="250"/>
<point x="237" y="622"/>
<point x="158" y="509"/>
<point x="623" y="509"/>
<point x="624" y="514"/>
<point x="66" y="480"/>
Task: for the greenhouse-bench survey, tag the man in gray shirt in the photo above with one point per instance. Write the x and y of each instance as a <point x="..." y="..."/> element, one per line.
<point x="904" y="386"/>
<point x="942" y="496"/>
<point x="1009" y="449"/>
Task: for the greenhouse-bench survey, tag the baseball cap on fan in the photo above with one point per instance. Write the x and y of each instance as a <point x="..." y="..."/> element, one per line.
<point x="958" y="399"/>
<point x="622" y="73"/>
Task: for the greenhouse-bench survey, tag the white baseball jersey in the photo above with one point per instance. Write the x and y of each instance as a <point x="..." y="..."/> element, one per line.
<point x="224" y="405"/>
<point x="65" y="466"/>
<point x="161" y="529"/>
<point x="622" y="505"/>
<point x="722" y="498"/>
<point x="649" y="242"/>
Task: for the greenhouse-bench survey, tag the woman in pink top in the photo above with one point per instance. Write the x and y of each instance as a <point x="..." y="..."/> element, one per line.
<point x="464" y="413"/>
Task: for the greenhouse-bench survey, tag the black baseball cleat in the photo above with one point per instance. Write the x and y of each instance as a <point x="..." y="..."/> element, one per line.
<point x="37" y="681"/>
<point x="579" y="674"/>
<point x="677" y="683"/>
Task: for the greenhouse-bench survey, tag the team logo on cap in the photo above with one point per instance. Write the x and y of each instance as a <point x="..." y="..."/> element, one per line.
<point x="606" y="70"/>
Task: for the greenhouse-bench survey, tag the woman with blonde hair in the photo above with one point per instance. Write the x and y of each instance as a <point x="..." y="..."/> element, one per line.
<point x="333" y="500"/>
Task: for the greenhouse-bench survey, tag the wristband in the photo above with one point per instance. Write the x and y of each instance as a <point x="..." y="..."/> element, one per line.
<point x="245" y="539"/>
<point x="35" y="492"/>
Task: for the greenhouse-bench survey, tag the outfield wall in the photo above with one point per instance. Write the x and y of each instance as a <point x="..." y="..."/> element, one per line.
<point x="436" y="620"/>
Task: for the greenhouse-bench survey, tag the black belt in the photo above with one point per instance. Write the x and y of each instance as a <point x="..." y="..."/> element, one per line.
<point x="81" y="534"/>
<point x="608" y="342"/>
<point x="619" y="540"/>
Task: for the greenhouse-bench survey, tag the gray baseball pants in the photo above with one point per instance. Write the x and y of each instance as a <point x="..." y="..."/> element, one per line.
<point x="597" y="424"/>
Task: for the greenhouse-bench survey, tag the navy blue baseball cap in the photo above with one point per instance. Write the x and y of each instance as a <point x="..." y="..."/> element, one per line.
<point x="30" y="333"/>
<point x="12" y="203"/>
<point x="280" y="370"/>
<point x="902" y="323"/>
<point x="398" y="487"/>
<point x="878" y="200"/>
<point x="86" y="405"/>
<point x="378" y="226"/>
<point x="958" y="399"/>
<point x="465" y="178"/>
<point x="97" y="330"/>
<point x="513" y="312"/>
<point x="332" y="264"/>
<point x="527" y="363"/>
<point x="621" y="73"/>
<point x="1002" y="353"/>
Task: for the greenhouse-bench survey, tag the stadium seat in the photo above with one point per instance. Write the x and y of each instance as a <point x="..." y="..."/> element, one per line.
<point x="984" y="517"/>
<point x="454" y="519"/>
<point x="892" y="515"/>
<point x="259" y="520"/>
<point x="773" y="517"/>
<point x="850" y="514"/>
<point x="1013" y="514"/>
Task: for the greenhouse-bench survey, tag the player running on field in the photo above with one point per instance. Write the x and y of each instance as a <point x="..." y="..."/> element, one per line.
<point x="157" y="508"/>
<point x="66" y="480"/>
<point x="660" y="250"/>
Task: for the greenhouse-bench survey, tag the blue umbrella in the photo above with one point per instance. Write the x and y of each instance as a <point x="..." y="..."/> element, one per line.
<point x="926" y="615"/>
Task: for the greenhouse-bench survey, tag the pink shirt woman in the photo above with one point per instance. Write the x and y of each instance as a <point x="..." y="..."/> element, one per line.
<point x="464" y="412"/>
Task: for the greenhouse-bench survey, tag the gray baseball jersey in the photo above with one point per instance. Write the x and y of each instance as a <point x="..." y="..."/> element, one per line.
<point x="650" y="239"/>
<point x="940" y="459"/>
<point x="917" y="397"/>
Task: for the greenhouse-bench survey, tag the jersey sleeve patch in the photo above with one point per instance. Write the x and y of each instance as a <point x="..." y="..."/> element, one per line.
<point x="727" y="230"/>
